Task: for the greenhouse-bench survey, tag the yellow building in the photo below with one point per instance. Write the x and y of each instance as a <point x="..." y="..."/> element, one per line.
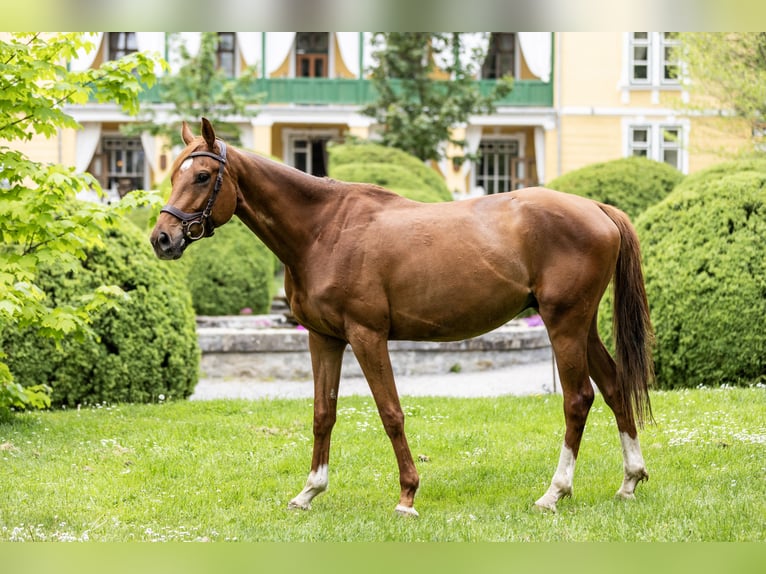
<point x="578" y="98"/>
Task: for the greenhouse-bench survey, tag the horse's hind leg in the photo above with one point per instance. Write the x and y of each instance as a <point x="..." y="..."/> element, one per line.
<point x="569" y="341"/>
<point x="326" y="360"/>
<point x="604" y="373"/>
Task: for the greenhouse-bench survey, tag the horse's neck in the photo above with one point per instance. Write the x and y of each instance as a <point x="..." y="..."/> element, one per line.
<point x="281" y="205"/>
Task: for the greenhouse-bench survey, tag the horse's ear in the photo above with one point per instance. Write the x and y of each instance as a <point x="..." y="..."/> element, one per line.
<point x="208" y="133"/>
<point x="186" y="134"/>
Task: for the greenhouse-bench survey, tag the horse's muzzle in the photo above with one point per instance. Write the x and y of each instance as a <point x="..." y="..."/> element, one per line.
<point x="166" y="247"/>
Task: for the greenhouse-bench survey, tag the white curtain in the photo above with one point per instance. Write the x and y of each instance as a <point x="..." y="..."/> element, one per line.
<point x="84" y="60"/>
<point x="536" y="47"/>
<point x="152" y="42"/>
<point x="149" y="143"/>
<point x="278" y="46"/>
<point x="472" y="141"/>
<point x="86" y="144"/>
<point x="349" y="51"/>
<point x="250" y="47"/>
<point x="191" y="40"/>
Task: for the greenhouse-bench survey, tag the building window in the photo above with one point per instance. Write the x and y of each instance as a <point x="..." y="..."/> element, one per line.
<point x="669" y="44"/>
<point x="640" y="50"/>
<point x="501" y="56"/>
<point x="119" y="165"/>
<point x="659" y="142"/>
<point x="312" y="54"/>
<point x="306" y="150"/>
<point x="497" y="170"/>
<point x="310" y="155"/>
<point x="226" y="53"/>
<point x="652" y="58"/>
<point x="640" y="141"/>
<point x="670" y="145"/>
<point x="121" y="44"/>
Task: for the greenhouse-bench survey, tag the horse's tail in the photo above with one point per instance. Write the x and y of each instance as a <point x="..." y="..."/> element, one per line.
<point x="632" y="327"/>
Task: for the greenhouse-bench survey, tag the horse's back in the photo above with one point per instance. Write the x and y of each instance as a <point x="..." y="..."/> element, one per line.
<point x="453" y="270"/>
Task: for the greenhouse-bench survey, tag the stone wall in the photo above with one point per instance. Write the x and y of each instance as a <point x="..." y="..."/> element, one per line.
<point x="265" y="348"/>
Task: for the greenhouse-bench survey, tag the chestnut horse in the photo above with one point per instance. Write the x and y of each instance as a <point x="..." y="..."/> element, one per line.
<point x="364" y="266"/>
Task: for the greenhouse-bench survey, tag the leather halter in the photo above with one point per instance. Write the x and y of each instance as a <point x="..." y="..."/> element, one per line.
<point x="199" y="224"/>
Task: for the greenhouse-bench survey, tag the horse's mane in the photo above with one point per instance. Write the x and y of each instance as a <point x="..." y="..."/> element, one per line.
<point x="320" y="185"/>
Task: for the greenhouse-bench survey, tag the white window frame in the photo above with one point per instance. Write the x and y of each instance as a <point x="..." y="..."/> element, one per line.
<point x="517" y="55"/>
<point x="235" y="54"/>
<point x="521" y="138"/>
<point x="330" y="56"/>
<point x="655" y="43"/>
<point x="664" y="42"/>
<point x="633" y="43"/>
<point x="290" y="136"/>
<point x="656" y="144"/>
<point x="655" y="81"/>
<point x="633" y="146"/>
<point x="108" y="45"/>
<point x="101" y="159"/>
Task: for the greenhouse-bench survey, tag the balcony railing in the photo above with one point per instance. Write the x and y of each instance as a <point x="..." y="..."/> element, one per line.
<point x="326" y="91"/>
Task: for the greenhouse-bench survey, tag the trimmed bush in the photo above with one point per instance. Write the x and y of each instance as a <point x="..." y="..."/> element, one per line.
<point x="230" y="271"/>
<point x="632" y="184"/>
<point x="147" y="346"/>
<point x="704" y="250"/>
<point x="387" y="167"/>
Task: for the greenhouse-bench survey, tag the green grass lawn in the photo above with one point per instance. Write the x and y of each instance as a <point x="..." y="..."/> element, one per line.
<point x="225" y="470"/>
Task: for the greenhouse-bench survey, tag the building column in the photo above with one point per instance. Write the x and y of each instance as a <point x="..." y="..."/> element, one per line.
<point x="262" y="137"/>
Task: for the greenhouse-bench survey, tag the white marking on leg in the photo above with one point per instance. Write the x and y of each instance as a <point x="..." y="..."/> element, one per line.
<point x="316" y="484"/>
<point x="633" y="465"/>
<point x="406" y="510"/>
<point x="561" y="484"/>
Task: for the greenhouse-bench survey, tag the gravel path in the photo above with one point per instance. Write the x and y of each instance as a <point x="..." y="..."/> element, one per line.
<point x="525" y="379"/>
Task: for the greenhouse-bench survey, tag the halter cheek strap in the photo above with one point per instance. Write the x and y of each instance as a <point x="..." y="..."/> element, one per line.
<point x="199" y="224"/>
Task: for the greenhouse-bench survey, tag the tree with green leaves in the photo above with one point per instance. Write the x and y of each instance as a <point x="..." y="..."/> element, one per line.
<point x="418" y="112"/>
<point x="40" y="221"/>
<point x="730" y="67"/>
<point x="200" y="88"/>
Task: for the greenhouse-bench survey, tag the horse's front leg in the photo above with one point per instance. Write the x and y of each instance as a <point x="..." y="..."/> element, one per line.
<point x="326" y="361"/>
<point x="371" y="350"/>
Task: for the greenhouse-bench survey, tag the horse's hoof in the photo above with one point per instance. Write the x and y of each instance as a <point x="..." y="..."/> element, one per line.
<point x="402" y="510"/>
<point x="294" y="505"/>
<point x="545" y="506"/>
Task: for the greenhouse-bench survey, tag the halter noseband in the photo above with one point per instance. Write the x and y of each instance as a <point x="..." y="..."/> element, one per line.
<point x="199" y="224"/>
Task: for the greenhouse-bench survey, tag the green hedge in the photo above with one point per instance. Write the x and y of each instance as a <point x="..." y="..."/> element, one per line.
<point x="230" y="271"/>
<point x="631" y="184"/>
<point x="147" y="347"/>
<point x="387" y="167"/>
<point x="704" y="250"/>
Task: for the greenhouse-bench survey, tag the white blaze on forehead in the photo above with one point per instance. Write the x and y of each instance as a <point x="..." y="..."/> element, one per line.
<point x="187" y="163"/>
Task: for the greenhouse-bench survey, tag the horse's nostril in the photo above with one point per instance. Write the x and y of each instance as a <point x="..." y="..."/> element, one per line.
<point x="163" y="240"/>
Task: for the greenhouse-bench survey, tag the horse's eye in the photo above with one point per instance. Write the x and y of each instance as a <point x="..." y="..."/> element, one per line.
<point x="202" y="177"/>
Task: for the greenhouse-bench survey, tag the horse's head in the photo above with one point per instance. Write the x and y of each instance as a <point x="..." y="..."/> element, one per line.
<point x="202" y="198"/>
